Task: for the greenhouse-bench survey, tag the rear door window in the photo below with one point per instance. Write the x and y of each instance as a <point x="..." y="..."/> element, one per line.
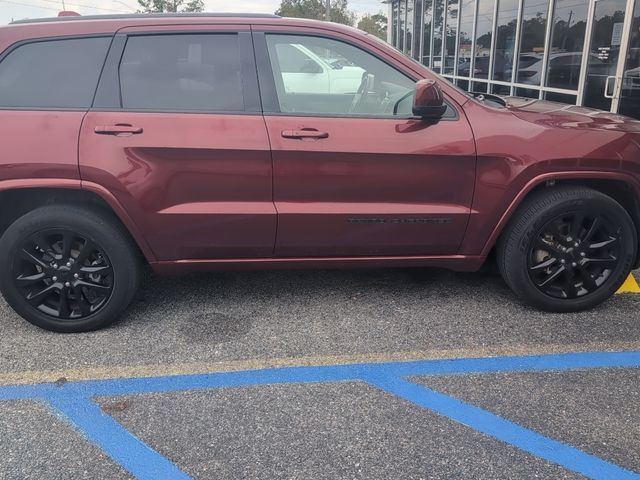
<point x="52" y="73"/>
<point x="182" y="72"/>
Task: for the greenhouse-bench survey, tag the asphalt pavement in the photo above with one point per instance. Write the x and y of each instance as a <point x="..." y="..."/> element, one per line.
<point x="335" y="427"/>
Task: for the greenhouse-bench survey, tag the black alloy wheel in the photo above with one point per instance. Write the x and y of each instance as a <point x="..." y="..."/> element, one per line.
<point x="63" y="274"/>
<point x="574" y="254"/>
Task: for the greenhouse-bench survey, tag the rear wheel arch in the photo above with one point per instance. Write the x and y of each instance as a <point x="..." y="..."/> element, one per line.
<point x="26" y="199"/>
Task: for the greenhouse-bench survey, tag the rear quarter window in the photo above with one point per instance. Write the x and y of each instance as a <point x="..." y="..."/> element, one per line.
<point x="52" y="73"/>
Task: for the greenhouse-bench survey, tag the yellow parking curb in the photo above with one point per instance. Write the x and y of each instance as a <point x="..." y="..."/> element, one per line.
<point x="630" y="285"/>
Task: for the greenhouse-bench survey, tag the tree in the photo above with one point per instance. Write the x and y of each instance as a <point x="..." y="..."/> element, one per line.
<point x="169" y="6"/>
<point x="374" y="24"/>
<point x="316" y="9"/>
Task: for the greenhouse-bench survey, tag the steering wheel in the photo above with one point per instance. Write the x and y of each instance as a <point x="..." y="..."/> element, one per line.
<point x="364" y="89"/>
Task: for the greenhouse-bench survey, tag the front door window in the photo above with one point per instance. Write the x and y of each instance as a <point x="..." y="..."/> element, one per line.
<point x="321" y="76"/>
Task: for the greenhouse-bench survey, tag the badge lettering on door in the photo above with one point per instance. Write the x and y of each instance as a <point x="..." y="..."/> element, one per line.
<point x="410" y="221"/>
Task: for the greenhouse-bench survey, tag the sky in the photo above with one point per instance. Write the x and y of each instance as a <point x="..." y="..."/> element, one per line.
<point x="18" y="9"/>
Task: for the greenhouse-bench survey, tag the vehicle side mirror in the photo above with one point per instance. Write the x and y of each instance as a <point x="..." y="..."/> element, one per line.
<point x="428" y="101"/>
<point x="310" y="66"/>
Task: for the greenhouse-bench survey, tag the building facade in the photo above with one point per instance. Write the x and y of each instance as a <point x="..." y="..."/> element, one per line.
<point x="585" y="52"/>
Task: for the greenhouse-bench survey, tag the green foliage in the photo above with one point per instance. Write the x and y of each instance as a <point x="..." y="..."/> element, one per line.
<point x="374" y="24"/>
<point x="170" y="6"/>
<point x="316" y="9"/>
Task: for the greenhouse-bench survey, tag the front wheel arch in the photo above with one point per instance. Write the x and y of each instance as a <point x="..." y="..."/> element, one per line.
<point x="621" y="187"/>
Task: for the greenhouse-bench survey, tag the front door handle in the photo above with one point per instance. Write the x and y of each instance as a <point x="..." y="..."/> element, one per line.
<point x="119" y="129"/>
<point x="305" y="133"/>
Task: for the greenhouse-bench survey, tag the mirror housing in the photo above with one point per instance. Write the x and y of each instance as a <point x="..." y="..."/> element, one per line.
<point x="428" y="101"/>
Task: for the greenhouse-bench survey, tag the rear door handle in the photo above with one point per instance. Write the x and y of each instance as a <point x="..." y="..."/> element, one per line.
<point x="120" y="129"/>
<point x="302" y="134"/>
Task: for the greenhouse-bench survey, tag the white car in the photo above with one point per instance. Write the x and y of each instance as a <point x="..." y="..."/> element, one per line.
<point x="304" y="71"/>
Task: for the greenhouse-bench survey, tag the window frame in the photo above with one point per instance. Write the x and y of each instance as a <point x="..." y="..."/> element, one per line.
<point x="269" y="94"/>
<point x="14" y="46"/>
<point x="108" y="96"/>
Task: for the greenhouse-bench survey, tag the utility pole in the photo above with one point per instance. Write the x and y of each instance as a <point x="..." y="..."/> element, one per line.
<point x="327" y="15"/>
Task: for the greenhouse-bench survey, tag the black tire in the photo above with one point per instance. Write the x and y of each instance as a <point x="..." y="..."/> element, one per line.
<point x="111" y="248"/>
<point x="555" y="271"/>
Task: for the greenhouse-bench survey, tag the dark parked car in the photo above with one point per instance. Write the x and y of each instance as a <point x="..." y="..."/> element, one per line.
<point x="186" y="142"/>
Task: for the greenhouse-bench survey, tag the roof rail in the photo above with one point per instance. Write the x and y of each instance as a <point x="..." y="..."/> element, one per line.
<point x="125" y="16"/>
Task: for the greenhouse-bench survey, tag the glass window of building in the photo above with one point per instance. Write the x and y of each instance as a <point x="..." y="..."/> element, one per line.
<point x="451" y="37"/>
<point x="402" y="14"/>
<point x="532" y="41"/>
<point x="505" y="40"/>
<point x="408" y="40"/>
<point x="426" y="32"/>
<point x="630" y="101"/>
<point x="484" y="35"/>
<point x="604" y="52"/>
<point x="438" y="19"/>
<point x="417" y="19"/>
<point x="394" y="23"/>
<point x="465" y="44"/>
<point x="567" y="43"/>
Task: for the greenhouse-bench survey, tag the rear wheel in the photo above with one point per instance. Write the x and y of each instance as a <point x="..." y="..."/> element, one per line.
<point x="67" y="269"/>
<point x="567" y="249"/>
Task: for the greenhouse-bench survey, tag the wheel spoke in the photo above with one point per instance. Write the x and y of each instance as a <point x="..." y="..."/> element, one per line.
<point x="576" y="225"/>
<point x="93" y="285"/>
<point x="83" y="303"/>
<point x="592" y="229"/>
<point x="555" y="230"/>
<point x="97" y="270"/>
<point x="605" y="243"/>
<point x="569" y="287"/>
<point x="37" y="298"/>
<point x="85" y="251"/>
<point x="64" y="311"/>
<point x="588" y="282"/>
<point x="546" y="263"/>
<point x="31" y="258"/>
<point x="552" y="276"/>
<point x="30" y="279"/>
<point x="67" y="242"/>
<point x="602" y="262"/>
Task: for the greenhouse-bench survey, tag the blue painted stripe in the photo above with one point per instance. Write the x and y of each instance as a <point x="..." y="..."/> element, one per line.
<point x="504" y="430"/>
<point x="130" y="452"/>
<point x="131" y="386"/>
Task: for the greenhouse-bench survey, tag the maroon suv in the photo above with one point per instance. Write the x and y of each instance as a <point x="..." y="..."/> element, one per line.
<point x="201" y="142"/>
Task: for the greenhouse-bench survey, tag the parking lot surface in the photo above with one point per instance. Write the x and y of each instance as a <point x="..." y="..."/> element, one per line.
<point x="415" y="373"/>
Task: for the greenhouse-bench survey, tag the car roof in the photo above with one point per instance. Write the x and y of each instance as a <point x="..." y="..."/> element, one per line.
<point x="108" y="24"/>
<point x="126" y="16"/>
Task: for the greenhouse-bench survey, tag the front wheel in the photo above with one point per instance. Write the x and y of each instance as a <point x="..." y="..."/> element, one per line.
<point x="567" y="249"/>
<point x="67" y="269"/>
